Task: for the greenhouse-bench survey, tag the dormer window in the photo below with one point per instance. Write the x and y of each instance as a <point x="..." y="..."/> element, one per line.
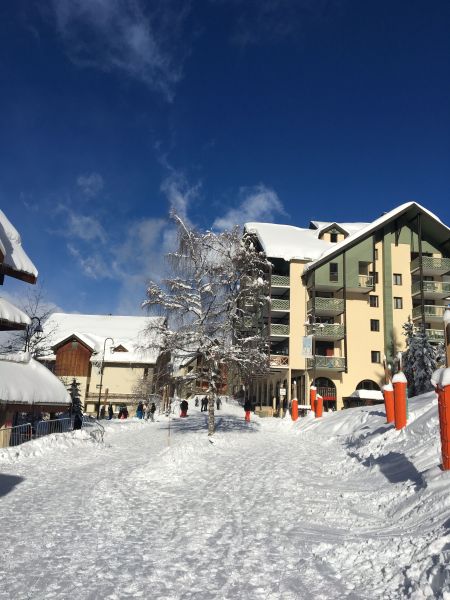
<point x="333" y="237"/>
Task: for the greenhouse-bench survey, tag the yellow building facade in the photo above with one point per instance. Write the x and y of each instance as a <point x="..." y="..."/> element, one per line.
<point x="340" y="294"/>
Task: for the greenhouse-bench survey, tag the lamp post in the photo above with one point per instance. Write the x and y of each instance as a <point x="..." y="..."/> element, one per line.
<point x="101" y="375"/>
<point x="30" y="332"/>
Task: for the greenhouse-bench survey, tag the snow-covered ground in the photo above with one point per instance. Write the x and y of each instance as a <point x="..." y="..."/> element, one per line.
<point x="341" y="507"/>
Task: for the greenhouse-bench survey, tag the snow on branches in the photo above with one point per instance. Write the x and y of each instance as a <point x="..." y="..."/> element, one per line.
<point x="214" y="299"/>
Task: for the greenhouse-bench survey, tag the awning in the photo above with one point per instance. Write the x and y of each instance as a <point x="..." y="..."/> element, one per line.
<point x="24" y="380"/>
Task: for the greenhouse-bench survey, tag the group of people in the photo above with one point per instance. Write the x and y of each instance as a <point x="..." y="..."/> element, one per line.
<point x="146" y="410"/>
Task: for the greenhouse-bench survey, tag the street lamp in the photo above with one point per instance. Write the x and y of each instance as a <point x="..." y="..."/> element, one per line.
<point x="101" y="374"/>
<point x="30" y="332"/>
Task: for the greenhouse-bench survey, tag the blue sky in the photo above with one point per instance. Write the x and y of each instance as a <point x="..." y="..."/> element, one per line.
<point x="112" y="111"/>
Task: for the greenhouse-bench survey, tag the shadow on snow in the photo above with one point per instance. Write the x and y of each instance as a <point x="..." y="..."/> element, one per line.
<point x="396" y="467"/>
<point x="8" y="482"/>
<point x="227" y="424"/>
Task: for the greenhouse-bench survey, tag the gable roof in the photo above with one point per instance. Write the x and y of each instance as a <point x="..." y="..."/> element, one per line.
<point x="348" y="228"/>
<point x="13" y="258"/>
<point x="94" y="331"/>
<point x="410" y="208"/>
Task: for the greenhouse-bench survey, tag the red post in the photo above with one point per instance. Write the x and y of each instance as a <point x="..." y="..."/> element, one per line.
<point x="294" y="409"/>
<point x="399" y="381"/>
<point x="312" y="397"/>
<point x="443" y="391"/>
<point x="319" y="406"/>
<point x="388" y="393"/>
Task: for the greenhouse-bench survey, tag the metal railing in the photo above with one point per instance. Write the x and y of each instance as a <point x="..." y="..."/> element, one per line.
<point x="329" y="330"/>
<point x="435" y="335"/>
<point x="279" y="329"/>
<point x="279" y="304"/>
<point x="53" y="426"/>
<point x="431" y="263"/>
<point x="326" y="305"/>
<point x="430" y="311"/>
<point x="327" y="393"/>
<point x="434" y="287"/>
<point x="14" y="436"/>
<point x="327" y="362"/>
<point x="280" y="281"/>
<point x="365" y="281"/>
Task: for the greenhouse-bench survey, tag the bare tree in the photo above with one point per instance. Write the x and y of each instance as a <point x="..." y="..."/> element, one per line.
<point x="215" y="291"/>
<point x="37" y="307"/>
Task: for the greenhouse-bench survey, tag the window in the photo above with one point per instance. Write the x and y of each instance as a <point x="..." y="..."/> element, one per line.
<point x="373" y="301"/>
<point x="374" y="325"/>
<point x="375" y="356"/>
<point x="333" y="237"/>
<point x="374" y="274"/>
<point x="334" y="272"/>
<point x="397" y="277"/>
<point x="375" y="253"/>
<point x="398" y="302"/>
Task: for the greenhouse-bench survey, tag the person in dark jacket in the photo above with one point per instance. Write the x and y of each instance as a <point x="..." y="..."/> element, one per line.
<point x="184" y="408"/>
<point x="204" y="404"/>
<point x="218" y="402"/>
<point x="140" y="410"/>
<point x="247" y="408"/>
<point x="110" y="412"/>
<point x="152" y="411"/>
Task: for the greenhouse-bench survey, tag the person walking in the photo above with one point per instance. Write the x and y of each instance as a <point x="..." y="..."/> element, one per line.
<point x="184" y="408"/>
<point x="140" y="410"/>
<point x="247" y="408"/>
<point x="152" y="411"/>
<point x="110" y="411"/>
<point x="218" y="402"/>
<point x="204" y="404"/>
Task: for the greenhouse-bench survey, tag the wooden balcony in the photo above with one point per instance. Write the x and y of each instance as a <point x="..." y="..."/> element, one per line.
<point x="431" y="289"/>
<point x="329" y="307"/>
<point x="431" y="265"/>
<point x="279" y="360"/>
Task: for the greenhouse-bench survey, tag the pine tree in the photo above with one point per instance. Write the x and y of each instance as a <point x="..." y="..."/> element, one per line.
<point x="217" y="284"/>
<point x="419" y="360"/>
<point x="77" y="407"/>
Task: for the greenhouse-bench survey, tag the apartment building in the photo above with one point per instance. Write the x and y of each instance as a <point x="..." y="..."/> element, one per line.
<point x="340" y="294"/>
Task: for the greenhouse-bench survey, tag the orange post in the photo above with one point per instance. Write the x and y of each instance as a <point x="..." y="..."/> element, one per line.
<point x="319" y="406"/>
<point x="312" y="397"/>
<point x="444" y="423"/>
<point x="399" y="381"/>
<point x="294" y="409"/>
<point x="388" y="393"/>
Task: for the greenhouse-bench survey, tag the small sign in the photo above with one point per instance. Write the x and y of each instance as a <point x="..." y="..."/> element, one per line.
<point x="282" y="391"/>
<point x="307" y="346"/>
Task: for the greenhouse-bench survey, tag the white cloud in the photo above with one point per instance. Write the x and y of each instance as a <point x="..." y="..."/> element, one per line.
<point x="84" y="227"/>
<point x="91" y="184"/>
<point x="179" y="193"/>
<point x="258" y="203"/>
<point x="133" y="37"/>
<point x="94" y="265"/>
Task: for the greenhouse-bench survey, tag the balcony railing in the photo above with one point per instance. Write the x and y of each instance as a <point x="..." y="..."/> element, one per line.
<point x="279" y="304"/>
<point x="365" y="281"/>
<point x="430" y="310"/>
<point x="336" y="363"/>
<point x="326" y="306"/>
<point x="279" y="329"/>
<point x="435" y="335"/>
<point x="280" y="280"/>
<point x="333" y="331"/>
<point x="431" y="264"/>
<point x="438" y="288"/>
<point x="277" y="360"/>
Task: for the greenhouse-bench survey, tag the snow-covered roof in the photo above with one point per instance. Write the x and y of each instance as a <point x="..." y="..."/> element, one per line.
<point x="349" y="228"/>
<point x="288" y="242"/>
<point x="367" y="394"/>
<point x="12" y="317"/>
<point x="15" y="260"/>
<point x="24" y="380"/>
<point x="335" y="249"/>
<point x="132" y="333"/>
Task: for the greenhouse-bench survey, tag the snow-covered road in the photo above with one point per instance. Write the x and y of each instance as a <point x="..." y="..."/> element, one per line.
<point x="342" y="508"/>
